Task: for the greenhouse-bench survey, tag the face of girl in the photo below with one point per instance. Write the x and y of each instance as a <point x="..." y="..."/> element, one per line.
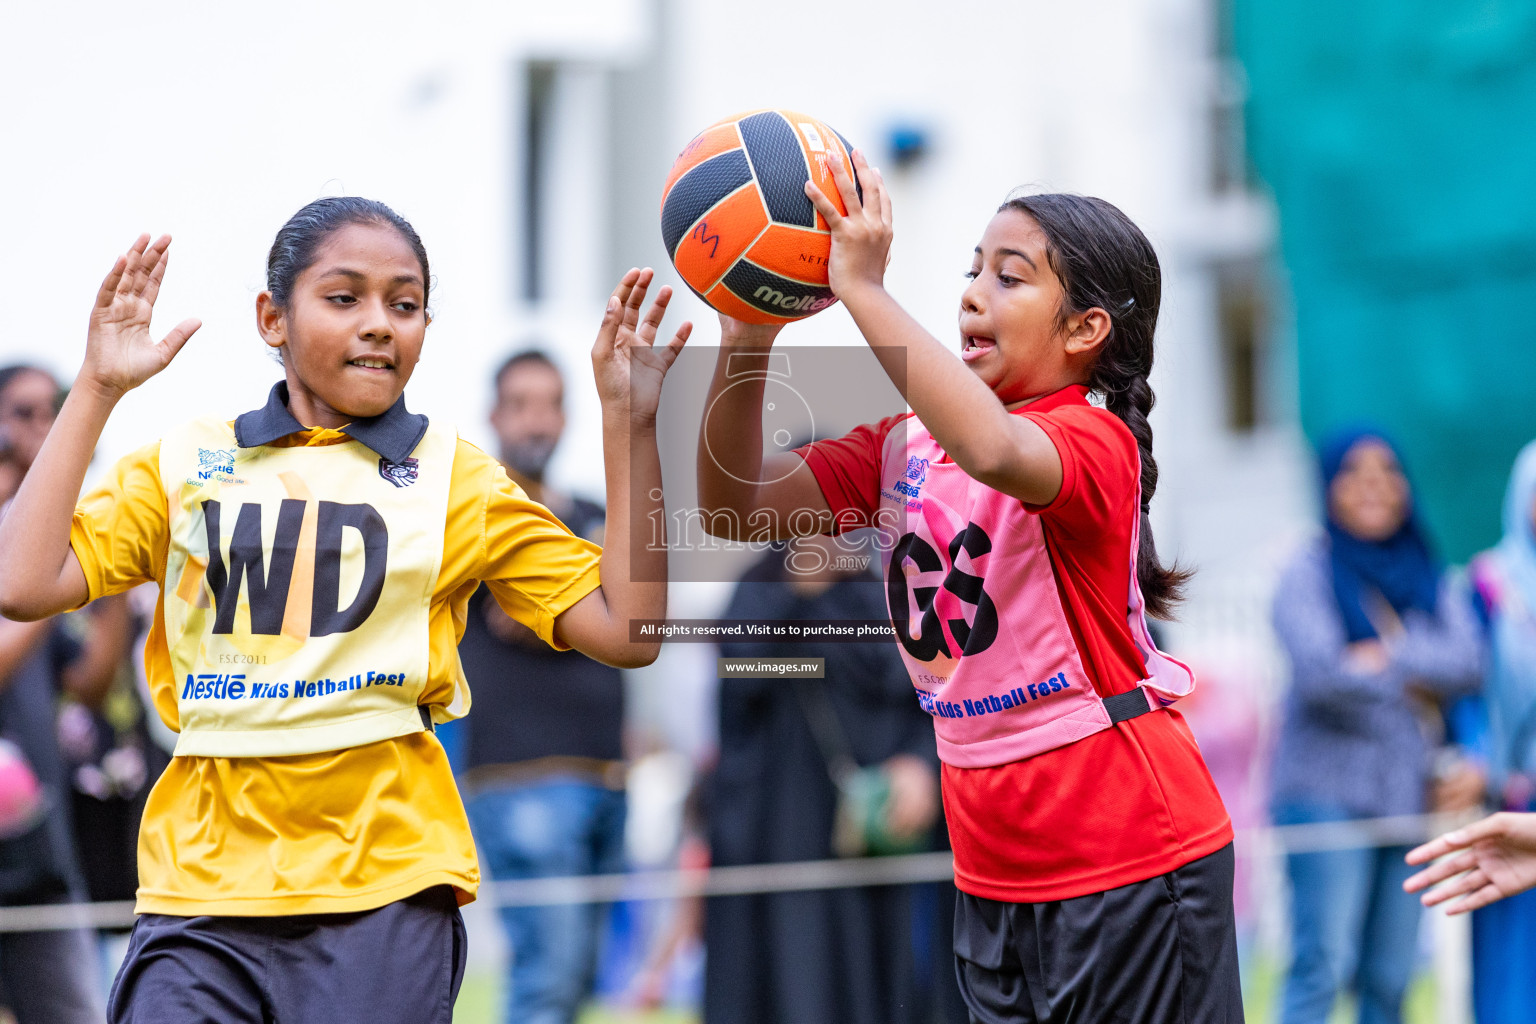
<point x="1010" y="334"/>
<point x="27" y="410"/>
<point x="354" y="326"/>
<point x="1369" y="496"/>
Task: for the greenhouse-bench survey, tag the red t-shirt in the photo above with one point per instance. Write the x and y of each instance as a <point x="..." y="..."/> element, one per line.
<point x="1123" y="805"/>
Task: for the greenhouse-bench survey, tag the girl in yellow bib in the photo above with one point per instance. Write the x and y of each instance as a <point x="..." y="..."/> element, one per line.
<point x="305" y="855"/>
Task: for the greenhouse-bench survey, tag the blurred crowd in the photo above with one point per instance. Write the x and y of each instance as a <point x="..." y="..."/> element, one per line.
<point x="1411" y="689"/>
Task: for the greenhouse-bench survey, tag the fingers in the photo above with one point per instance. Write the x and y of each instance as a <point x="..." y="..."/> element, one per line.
<point x="613" y="315"/>
<point x="651" y="322"/>
<point x="844" y="182"/>
<point x="824" y="206"/>
<point x="675" y="346"/>
<point x="1447" y="868"/>
<point x="1470" y="882"/>
<point x="178" y="337"/>
<point x="876" y="198"/>
<point x="160" y="252"/>
<point x="1437" y="847"/>
<point x="608" y="328"/>
<point x="626" y="284"/>
<point x="108" y="289"/>
<point x="885" y="196"/>
<point x="636" y="297"/>
<point x="1494" y="826"/>
<point x="1478" y="900"/>
<point x="132" y="280"/>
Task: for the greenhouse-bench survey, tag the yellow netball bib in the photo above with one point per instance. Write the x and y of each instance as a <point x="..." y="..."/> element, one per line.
<point x="297" y="589"/>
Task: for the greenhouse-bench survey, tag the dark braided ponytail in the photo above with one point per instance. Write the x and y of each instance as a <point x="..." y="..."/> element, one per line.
<point x="1103" y="260"/>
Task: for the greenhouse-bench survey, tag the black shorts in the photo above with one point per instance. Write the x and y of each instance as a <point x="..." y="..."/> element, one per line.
<point x="1163" y="951"/>
<point x="399" y="964"/>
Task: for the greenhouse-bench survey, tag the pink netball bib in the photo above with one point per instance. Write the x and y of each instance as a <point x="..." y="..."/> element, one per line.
<point x="974" y="601"/>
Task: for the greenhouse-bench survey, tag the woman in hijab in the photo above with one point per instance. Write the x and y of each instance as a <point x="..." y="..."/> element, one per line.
<point x="1379" y="644"/>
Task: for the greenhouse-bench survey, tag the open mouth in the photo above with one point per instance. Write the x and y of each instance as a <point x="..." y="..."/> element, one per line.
<point x="973" y="347"/>
<point x="371" y="363"/>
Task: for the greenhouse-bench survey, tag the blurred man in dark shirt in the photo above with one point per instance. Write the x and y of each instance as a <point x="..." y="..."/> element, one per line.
<point x="544" y="771"/>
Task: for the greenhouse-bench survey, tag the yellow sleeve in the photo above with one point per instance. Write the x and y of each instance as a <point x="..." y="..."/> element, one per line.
<point x="534" y="566"/>
<point x="120" y="529"/>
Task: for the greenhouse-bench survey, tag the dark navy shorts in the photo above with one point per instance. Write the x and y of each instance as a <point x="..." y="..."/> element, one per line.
<point x="399" y="964"/>
<point x="1163" y="950"/>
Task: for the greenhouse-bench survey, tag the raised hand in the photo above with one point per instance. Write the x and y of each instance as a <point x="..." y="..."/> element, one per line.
<point x="861" y="238"/>
<point x="1489" y="860"/>
<point x="119" y="352"/>
<point x="625" y="360"/>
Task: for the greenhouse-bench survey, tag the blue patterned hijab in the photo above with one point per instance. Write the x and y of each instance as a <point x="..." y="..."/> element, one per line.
<point x="1517" y="548"/>
<point x="1400" y="568"/>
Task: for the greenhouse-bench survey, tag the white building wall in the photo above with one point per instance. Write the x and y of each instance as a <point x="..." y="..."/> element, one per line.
<point x="216" y="124"/>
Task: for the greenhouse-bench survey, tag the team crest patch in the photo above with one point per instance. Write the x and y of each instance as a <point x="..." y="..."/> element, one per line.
<point x="215" y="460"/>
<point x="401" y="474"/>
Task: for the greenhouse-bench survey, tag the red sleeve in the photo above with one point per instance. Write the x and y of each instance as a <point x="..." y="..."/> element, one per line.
<point x="848" y="471"/>
<point x="1100" y="468"/>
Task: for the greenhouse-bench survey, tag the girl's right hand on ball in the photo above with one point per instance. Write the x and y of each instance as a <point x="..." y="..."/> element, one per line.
<point x="119" y="352"/>
<point x="740" y="334"/>
<point x="861" y="238"/>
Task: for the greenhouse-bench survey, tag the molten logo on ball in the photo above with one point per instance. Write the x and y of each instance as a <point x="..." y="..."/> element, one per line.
<point x="803" y="304"/>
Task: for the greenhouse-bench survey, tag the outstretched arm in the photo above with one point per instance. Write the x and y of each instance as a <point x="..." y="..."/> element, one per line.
<point x="629" y="368"/>
<point x="1484" y="862"/>
<point x="39" y="575"/>
<point x="742" y="495"/>
<point x="1007" y="453"/>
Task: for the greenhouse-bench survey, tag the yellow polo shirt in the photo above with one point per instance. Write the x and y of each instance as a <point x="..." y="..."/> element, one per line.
<point x="343" y="830"/>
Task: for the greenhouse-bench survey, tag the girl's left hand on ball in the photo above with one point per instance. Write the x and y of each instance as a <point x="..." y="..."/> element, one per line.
<point x="625" y="360"/>
<point x="861" y="238"/>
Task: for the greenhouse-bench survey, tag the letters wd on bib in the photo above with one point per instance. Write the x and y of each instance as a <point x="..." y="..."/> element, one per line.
<point x="298" y="587"/>
<point x="313" y="592"/>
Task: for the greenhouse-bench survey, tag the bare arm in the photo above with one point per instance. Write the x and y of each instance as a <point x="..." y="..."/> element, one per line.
<point x="1007" y="453"/>
<point x="39" y="574"/>
<point x="743" y="496"/>
<point x="629" y="369"/>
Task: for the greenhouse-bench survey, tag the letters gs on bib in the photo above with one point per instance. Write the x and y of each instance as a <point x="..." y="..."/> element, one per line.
<point x="971" y="637"/>
<point x="267" y="583"/>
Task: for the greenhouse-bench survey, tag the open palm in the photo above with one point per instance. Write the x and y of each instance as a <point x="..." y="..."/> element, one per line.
<point x="120" y="354"/>
<point x="628" y="364"/>
<point x="1483" y="862"/>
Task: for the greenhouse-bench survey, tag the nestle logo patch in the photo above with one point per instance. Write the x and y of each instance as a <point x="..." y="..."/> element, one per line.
<point x="215" y="461"/>
<point x="401" y="474"/>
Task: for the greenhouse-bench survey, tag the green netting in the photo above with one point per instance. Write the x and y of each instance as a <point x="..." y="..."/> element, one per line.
<point x="1399" y="137"/>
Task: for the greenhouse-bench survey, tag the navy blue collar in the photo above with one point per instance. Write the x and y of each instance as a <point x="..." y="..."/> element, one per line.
<point x="393" y="434"/>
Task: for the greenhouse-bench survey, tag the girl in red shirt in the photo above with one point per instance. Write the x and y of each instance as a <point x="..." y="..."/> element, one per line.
<point x="1092" y="852"/>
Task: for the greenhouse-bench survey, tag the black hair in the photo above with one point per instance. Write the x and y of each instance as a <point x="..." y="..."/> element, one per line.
<point x="293" y="250"/>
<point x="1103" y="260"/>
<point x="525" y="357"/>
<point x="14" y="370"/>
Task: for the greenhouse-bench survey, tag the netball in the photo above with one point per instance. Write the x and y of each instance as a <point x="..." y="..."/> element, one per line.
<point x="736" y="221"/>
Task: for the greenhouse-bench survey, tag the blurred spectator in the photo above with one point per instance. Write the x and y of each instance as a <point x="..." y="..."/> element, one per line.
<point x="112" y="760"/>
<point x="47" y="976"/>
<point x="840" y="956"/>
<point x="1504" y="592"/>
<point x="1379" y="642"/>
<point x="543" y="752"/>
